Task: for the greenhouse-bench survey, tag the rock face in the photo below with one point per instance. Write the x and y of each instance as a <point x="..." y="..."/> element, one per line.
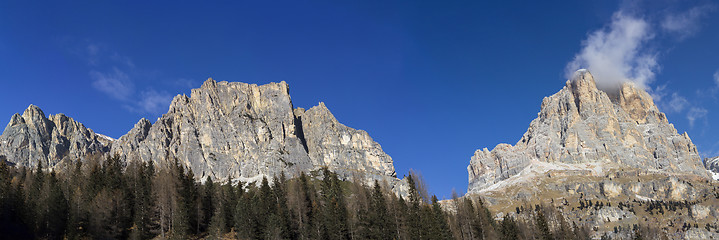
<point x="32" y="137"/>
<point x="238" y="130"/>
<point x="588" y="129"/>
<point x="712" y="164"/>
<point x="222" y="130"/>
<point x="346" y="150"/>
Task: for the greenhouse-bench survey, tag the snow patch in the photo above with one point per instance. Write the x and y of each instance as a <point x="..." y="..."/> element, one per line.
<point x="715" y="175"/>
<point x="539" y="168"/>
<point x="643" y="198"/>
<point x="105" y="137"/>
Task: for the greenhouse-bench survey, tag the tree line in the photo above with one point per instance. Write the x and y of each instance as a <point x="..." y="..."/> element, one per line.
<point x="110" y="200"/>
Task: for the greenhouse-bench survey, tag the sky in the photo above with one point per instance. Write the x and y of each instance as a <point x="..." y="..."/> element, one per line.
<point x="431" y="81"/>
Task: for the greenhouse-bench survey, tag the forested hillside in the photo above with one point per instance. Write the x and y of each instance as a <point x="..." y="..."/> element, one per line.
<point x="106" y="200"/>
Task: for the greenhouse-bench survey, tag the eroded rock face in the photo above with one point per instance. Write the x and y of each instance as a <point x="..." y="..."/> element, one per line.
<point x="32" y="137"/>
<point x="712" y="164"/>
<point x="245" y="131"/>
<point x="583" y="125"/>
<point x="346" y="150"/>
<point x="223" y="130"/>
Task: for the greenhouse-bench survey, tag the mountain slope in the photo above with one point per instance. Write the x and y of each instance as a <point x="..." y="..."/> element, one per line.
<point x="32" y="137"/>
<point x="224" y="130"/>
<point x="245" y="131"/>
<point x="584" y="128"/>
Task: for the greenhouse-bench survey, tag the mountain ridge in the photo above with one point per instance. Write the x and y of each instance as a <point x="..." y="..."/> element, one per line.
<point x="581" y="124"/>
<point x="221" y="130"/>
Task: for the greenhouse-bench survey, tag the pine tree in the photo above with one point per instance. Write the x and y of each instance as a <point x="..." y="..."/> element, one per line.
<point x="509" y="229"/>
<point x="141" y="183"/>
<point x="542" y="225"/>
<point x="246" y="216"/>
<point x="78" y="215"/>
<point x="55" y="205"/>
<point x="401" y="219"/>
<point x="181" y="216"/>
<point x="208" y="205"/>
<point x="334" y="208"/>
<point x="438" y="224"/>
<point x="305" y="208"/>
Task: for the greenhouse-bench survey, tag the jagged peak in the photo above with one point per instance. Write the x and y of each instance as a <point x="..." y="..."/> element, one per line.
<point x="320" y="107"/>
<point x="582" y="79"/>
<point x="16" y="119"/>
<point x="143" y="122"/>
<point x="33" y="111"/>
<point x="209" y="83"/>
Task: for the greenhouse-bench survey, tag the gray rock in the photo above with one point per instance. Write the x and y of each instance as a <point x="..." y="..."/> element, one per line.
<point x="32" y="137"/>
<point x="223" y="130"/>
<point x="342" y="149"/>
<point x="245" y="131"/>
<point x="712" y="164"/>
<point x="582" y="125"/>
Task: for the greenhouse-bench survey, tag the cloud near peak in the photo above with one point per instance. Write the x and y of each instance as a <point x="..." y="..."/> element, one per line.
<point x="617" y="53"/>
<point x="115" y="84"/>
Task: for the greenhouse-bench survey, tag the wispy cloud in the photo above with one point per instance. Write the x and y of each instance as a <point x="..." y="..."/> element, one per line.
<point x="115" y="83"/>
<point x="677" y="103"/>
<point x="118" y="82"/>
<point x="153" y="101"/>
<point x="616" y="53"/>
<point x="685" y="24"/>
<point x="696" y="113"/>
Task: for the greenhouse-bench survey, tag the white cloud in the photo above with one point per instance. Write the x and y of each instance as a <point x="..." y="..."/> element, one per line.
<point x="616" y="54"/>
<point x="685" y="24"/>
<point x="696" y="113"/>
<point x="677" y="103"/>
<point x="116" y="84"/>
<point x="152" y="101"/>
<point x="716" y="78"/>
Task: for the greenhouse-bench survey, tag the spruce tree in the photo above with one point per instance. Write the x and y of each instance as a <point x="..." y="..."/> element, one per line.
<point x="509" y="229"/>
<point x="439" y="227"/>
<point x="542" y="226"/>
<point x="334" y="208"/>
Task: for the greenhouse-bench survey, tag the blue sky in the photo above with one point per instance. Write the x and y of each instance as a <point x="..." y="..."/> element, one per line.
<point x="430" y="81"/>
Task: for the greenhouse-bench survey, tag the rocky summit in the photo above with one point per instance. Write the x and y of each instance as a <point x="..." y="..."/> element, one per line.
<point x="245" y="131"/>
<point x="222" y="130"/>
<point x="584" y="129"/>
<point x="54" y="140"/>
<point x="606" y="159"/>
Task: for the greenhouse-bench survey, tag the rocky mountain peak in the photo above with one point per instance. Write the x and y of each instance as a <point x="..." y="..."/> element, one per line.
<point x="246" y="131"/>
<point x="32" y="137"/>
<point x="581" y="125"/>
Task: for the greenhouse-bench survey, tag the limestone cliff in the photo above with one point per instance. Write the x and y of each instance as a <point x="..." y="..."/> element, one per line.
<point x="222" y="130"/>
<point x="245" y="131"/>
<point x="32" y="137"/>
<point x="582" y="128"/>
<point x="712" y="164"/>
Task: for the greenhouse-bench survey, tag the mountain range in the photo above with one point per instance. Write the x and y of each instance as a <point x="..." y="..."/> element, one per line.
<point x="586" y="144"/>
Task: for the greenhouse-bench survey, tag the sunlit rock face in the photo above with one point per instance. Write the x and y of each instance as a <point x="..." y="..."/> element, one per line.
<point x="223" y="130"/>
<point x="245" y="131"/>
<point x="33" y="138"/>
<point x="589" y="129"/>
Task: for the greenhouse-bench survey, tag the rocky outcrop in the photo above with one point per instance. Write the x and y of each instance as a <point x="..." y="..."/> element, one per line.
<point x="712" y="164"/>
<point x="245" y="131"/>
<point x="346" y="150"/>
<point x="587" y="130"/>
<point x="32" y="137"/>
